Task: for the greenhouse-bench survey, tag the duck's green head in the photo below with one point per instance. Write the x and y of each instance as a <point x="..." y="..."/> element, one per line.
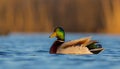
<point x="58" y="33"/>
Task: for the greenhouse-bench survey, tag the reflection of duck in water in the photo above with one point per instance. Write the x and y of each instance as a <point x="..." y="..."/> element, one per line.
<point x="78" y="46"/>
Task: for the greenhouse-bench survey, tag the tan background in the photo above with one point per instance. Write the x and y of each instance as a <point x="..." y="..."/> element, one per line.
<point x="94" y="16"/>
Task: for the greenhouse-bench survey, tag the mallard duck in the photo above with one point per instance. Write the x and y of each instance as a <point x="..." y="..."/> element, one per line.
<point x="78" y="46"/>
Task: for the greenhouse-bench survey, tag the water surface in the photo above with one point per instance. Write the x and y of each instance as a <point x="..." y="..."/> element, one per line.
<point x="31" y="51"/>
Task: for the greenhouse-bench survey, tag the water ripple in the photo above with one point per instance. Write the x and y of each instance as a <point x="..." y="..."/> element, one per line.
<point x="23" y="51"/>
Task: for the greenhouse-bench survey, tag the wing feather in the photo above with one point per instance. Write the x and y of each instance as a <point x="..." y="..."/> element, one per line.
<point x="81" y="41"/>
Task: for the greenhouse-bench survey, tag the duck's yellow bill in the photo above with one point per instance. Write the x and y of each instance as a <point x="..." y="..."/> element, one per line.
<point x="52" y="35"/>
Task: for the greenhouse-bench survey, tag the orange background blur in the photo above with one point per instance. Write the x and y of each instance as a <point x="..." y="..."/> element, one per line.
<point x="88" y="16"/>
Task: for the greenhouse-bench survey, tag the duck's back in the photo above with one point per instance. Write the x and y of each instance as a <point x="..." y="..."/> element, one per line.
<point x="74" y="50"/>
<point x="77" y="46"/>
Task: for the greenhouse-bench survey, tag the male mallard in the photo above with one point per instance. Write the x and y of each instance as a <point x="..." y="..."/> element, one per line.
<point x="78" y="46"/>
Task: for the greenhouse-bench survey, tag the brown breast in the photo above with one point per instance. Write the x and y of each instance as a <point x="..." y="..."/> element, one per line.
<point x="55" y="45"/>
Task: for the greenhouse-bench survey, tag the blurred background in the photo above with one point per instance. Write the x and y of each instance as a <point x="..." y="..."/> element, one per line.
<point x="84" y="16"/>
<point x="27" y="25"/>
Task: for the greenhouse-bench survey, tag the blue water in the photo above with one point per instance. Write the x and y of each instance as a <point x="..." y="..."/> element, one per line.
<point x="31" y="51"/>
